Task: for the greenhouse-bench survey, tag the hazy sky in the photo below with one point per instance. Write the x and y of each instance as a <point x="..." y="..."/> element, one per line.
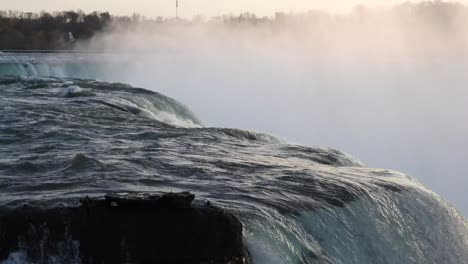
<point x="188" y="8"/>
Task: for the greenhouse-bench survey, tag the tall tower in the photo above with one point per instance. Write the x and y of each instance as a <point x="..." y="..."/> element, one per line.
<point x="177" y="9"/>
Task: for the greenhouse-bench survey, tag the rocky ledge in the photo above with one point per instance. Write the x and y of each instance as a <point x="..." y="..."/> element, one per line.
<point x="164" y="228"/>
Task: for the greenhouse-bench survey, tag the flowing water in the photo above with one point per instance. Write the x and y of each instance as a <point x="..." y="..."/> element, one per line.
<point x="68" y="135"/>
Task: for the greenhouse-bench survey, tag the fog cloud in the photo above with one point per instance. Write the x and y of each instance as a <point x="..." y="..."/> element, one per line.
<point x="387" y="86"/>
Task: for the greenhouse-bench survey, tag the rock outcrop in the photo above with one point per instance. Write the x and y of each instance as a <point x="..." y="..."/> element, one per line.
<point x="125" y="229"/>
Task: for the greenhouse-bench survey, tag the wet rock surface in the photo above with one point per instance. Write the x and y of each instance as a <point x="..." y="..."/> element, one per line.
<point x="125" y="229"/>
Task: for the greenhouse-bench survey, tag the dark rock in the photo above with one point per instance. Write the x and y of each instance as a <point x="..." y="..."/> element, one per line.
<point x="168" y="200"/>
<point x="125" y="229"/>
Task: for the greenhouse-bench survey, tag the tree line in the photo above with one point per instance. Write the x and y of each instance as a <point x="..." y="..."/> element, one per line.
<point x="48" y="31"/>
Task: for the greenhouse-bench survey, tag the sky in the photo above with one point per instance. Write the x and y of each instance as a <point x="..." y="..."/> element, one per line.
<point x="189" y="8"/>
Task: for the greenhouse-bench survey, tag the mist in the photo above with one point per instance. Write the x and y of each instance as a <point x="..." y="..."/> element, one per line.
<point x="386" y="86"/>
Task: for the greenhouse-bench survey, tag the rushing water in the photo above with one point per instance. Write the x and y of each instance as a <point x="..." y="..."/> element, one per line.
<point x="63" y="138"/>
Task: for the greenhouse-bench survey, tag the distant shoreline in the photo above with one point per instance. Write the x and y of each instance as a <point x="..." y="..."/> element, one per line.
<point x="51" y="51"/>
<point x="115" y="51"/>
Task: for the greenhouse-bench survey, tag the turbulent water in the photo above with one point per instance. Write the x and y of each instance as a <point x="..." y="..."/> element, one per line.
<point x="62" y="139"/>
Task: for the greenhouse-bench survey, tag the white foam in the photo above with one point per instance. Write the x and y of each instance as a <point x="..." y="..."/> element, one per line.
<point x="147" y="109"/>
<point x="36" y="78"/>
<point x="71" y="90"/>
<point x="171" y="119"/>
<point x="262" y="252"/>
<point x="18" y="257"/>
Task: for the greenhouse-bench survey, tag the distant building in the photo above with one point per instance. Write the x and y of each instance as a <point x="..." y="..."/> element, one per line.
<point x="67" y="39"/>
<point x="70" y="37"/>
